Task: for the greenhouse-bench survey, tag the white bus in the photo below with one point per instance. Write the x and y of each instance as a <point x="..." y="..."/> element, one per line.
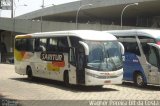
<point x="142" y="55"/>
<point x="81" y="57"/>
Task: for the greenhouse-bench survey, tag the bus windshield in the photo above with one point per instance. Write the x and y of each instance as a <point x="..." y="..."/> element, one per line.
<point x="104" y="55"/>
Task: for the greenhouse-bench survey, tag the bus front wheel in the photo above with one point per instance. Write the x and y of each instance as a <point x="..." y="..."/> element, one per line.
<point x="139" y="80"/>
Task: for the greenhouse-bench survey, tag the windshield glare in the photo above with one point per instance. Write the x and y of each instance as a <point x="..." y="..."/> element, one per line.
<point x="104" y="55"/>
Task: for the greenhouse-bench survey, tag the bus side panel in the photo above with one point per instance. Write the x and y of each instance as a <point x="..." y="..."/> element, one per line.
<point x="131" y="64"/>
<point x="19" y="68"/>
<point x="21" y="61"/>
<point x="55" y="69"/>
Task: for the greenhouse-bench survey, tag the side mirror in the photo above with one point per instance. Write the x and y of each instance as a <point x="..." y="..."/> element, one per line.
<point x="85" y="47"/>
<point x="122" y="48"/>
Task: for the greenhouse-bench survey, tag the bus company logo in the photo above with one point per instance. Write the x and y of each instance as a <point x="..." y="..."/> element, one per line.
<point x="57" y="57"/>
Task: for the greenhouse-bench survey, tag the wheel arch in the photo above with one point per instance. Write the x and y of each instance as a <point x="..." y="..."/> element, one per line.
<point x="139" y="72"/>
<point x="29" y="71"/>
<point x="64" y="73"/>
<point x="143" y="77"/>
<point x="28" y="66"/>
<point x="66" y="78"/>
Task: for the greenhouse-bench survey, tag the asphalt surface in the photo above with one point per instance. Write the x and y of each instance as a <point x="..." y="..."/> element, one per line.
<point x="18" y="87"/>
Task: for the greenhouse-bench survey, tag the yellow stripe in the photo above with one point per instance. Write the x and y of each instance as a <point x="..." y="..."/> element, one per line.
<point x="23" y="36"/>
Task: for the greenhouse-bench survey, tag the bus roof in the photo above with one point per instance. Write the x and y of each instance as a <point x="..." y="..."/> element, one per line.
<point x="153" y="33"/>
<point x="83" y="34"/>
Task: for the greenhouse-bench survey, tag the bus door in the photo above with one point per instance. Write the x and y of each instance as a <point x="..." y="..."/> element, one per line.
<point x="77" y="58"/>
<point x="80" y="55"/>
<point x="153" y="60"/>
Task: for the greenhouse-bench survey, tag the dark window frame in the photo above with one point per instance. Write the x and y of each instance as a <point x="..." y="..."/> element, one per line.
<point x="127" y="45"/>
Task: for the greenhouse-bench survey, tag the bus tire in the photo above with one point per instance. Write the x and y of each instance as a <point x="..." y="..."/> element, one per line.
<point x="66" y="78"/>
<point x="139" y="80"/>
<point x="29" y="73"/>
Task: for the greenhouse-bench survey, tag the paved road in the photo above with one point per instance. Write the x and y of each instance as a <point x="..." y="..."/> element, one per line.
<point x="14" y="86"/>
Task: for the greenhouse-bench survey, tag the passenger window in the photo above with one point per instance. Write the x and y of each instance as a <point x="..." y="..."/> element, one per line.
<point x="74" y="41"/>
<point x="131" y="47"/>
<point x="18" y="44"/>
<point x="152" y="55"/>
<point x="52" y="45"/>
<point x="130" y="44"/>
<point x="63" y="44"/>
<point x="21" y="44"/>
<point x="40" y="44"/>
<point x="144" y="40"/>
<point x="58" y="44"/>
<point x="43" y="44"/>
<point x="30" y="45"/>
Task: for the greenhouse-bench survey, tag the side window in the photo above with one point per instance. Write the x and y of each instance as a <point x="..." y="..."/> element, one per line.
<point x="131" y="47"/>
<point x="30" y="44"/>
<point x="18" y="44"/>
<point x="21" y="44"/>
<point x="72" y="59"/>
<point x="152" y="56"/>
<point x="52" y="45"/>
<point x="24" y="44"/>
<point x="59" y="44"/>
<point x="74" y="41"/>
<point x="62" y="44"/>
<point x="43" y="44"/>
<point x="40" y="44"/>
<point x="130" y="44"/>
<point x="144" y="40"/>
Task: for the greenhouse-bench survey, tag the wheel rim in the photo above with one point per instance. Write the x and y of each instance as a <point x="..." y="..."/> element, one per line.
<point x="139" y="80"/>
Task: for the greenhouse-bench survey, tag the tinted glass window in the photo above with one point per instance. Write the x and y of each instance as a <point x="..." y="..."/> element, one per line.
<point x="58" y="44"/>
<point x="18" y="44"/>
<point x="30" y="45"/>
<point x="40" y="44"/>
<point x="24" y="44"/>
<point x="131" y="47"/>
<point x="144" y="40"/>
<point x="130" y="44"/>
<point x="72" y="57"/>
<point x="52" y="45"/>
<point x="74" y="41"/>
<point x="62" y="44"/>
<point x="152" y="55"/>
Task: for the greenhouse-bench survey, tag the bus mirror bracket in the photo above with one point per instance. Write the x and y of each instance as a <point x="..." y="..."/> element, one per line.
<point x="122" y="48"/>
<point x="85" y="47"/>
